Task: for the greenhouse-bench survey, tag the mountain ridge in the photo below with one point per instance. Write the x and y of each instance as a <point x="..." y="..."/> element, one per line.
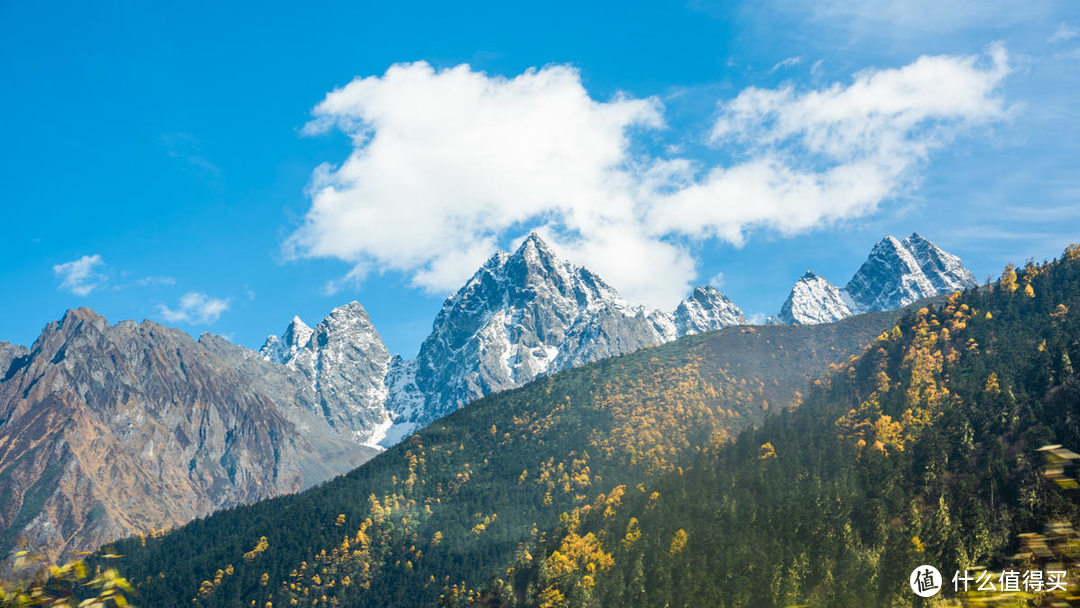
<point x="546" y="446"/>
<point x="522" y="315"/>
<point x="192" y="436"/>
<point x="327" y="394"/>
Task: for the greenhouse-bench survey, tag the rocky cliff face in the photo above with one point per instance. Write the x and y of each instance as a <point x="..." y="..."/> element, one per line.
<point x="705" y="310"/>
<point x="898" y="273"/>
<point x="895" y="274"/>
<point x="522" y="315"/>
<point x="112" y="430"/>
<point x="8" y="354"/>
<point x="345" y="362"/>
<point x="814" y="300"/>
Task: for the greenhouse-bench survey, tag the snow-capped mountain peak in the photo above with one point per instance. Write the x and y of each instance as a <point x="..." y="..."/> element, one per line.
<point x="345" y="360"/>
<point x="944" y="271"/>
<point x="813" y="300"/>
<point x="895" y="274"/>
<point x="282" y="349"/>
<point x="528" y="313"/>
<point x="898" y="273"/>
<point x="522" y="315"/>
<point x="706" y="309"/>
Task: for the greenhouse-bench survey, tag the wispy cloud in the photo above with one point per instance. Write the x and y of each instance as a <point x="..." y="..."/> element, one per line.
<point x="450" y="163"/>
<point x="152" y="281"/>
<point x="81" y="276"/>
<point x="352" y="279"/>
<point x="787" y="63"/>
<point x="1062" y="33"/>
<point x="188" y="148"/>
<point x="195" y="308"/>
<point x="918" y="15"/>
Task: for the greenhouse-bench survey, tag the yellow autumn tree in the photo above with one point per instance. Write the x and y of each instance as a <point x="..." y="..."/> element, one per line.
<point x="568" y="575"/>
<point x="1008" y="279"/>
<point x="58" y="586"/>
<point x="766" y="451"/>
<point x="678" y="542"/>
<point x="1060" y="311"/>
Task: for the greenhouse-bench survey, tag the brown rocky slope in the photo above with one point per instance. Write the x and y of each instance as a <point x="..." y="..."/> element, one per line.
<point x="112" y="430"/>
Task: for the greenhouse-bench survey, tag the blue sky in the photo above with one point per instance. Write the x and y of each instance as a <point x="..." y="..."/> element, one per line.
<point x="163" y="163"/>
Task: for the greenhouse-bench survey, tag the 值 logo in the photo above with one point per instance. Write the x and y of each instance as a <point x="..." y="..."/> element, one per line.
<point x="925" y="581"/>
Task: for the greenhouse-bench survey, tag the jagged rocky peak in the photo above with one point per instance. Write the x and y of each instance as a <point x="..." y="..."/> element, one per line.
<point x="944" y="270"/>
<point x="705" y="310"/>
<point x="74" y="322"/>
<point x="346" y="322"/>
<point x="345" y="361"/>
<point x="521" y="315"/>
<point x="282" y="349"/>
<point x="895" y="274"/>
<point x="898" y="273"/>
<point x="351" y="317"/>
<point x="545" y="294"/>
<point x="534" y="272"/>
<point x="814" y="300"/>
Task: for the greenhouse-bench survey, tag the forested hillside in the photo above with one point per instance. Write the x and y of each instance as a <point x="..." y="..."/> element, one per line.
<point x="448" y="509"/>
<point x="923" y="450"/>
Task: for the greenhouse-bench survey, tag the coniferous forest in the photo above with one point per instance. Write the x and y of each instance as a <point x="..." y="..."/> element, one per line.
<point x="713" y="471"/>
<point x="449" y="508"/>
<point x="923" y="450"/>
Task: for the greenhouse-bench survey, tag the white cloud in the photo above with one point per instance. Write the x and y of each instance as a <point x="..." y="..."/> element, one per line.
<point x="787" y="63"/>
<point x="195" y="308"/>
<point x="1063" y="33"/>
<point x="717" y="281"/>
<point x="825" y="155"/>
<point x="448" y="163"/>
<point x="81" y="276"/>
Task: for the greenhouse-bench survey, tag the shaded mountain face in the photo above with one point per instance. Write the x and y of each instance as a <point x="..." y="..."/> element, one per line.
<point x="345" y="362"/>
<point x="113" y="430"/>
<point x="9" y="353"/>
<point x="895" y="274"/>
